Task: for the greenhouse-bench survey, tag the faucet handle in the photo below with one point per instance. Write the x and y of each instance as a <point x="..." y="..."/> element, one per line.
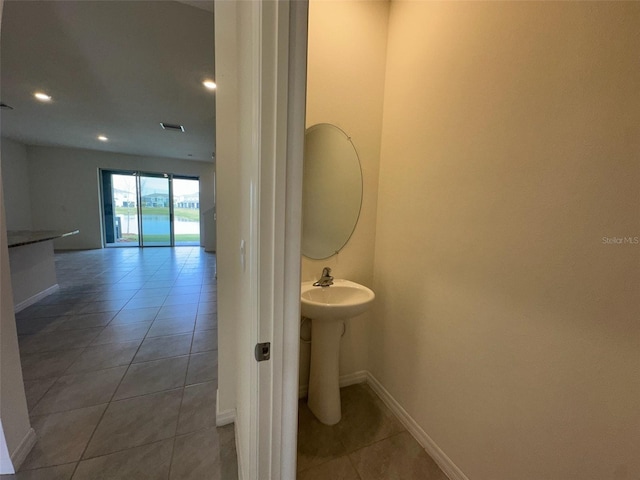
<point x="326" y="272"/>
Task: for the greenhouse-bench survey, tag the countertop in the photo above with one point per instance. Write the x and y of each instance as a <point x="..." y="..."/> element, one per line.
<point x="18" y="238"/>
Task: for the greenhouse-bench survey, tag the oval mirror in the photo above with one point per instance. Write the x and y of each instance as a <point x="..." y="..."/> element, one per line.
<point x="331" y="191"/>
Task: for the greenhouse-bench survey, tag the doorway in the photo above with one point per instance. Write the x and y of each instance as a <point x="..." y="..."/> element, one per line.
<point x="142" y="209"/>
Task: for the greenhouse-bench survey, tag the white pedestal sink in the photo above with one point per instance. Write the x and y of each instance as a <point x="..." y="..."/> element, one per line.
<point x="328" y="307"/>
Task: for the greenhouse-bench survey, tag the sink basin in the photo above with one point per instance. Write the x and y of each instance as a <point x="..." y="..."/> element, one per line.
<point x="328" y="307"/>
<point x="344" y="299"/>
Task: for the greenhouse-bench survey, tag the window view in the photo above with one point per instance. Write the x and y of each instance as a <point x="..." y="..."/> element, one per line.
<point x="142" y="209"/>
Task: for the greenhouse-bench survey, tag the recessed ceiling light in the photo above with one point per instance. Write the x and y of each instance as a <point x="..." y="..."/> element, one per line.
<point x="43" y="97"/>
<point x="209" y="84"/>
<point x="102" y="138"/>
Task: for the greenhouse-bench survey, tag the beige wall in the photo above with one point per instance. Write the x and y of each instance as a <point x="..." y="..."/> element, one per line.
<point x="65" y="190"/>
<point x="345" y="85"/>
<point x="16" y="185"/>
<point x="504" y="324"/>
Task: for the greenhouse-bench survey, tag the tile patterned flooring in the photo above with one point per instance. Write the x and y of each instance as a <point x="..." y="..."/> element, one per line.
<point x="120" y="372"/>
<point x="120" y="369"/>
<point x="369" y="443"/>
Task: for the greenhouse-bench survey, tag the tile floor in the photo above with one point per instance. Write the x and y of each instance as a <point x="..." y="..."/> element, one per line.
<point x="120" y="369"/>
<point x="369" y="443"/>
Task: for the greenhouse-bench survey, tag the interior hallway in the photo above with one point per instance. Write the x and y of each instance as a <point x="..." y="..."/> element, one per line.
<point x="120" y="369"/>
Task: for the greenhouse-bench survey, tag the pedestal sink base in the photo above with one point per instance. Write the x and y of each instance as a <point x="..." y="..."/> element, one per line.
<point x="324" y="382"/>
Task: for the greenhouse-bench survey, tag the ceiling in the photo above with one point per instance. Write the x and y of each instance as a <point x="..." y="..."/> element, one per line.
<point x="113" y="68"/>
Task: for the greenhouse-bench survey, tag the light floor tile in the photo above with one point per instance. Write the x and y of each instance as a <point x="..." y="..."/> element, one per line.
<point x="399" y="457"/>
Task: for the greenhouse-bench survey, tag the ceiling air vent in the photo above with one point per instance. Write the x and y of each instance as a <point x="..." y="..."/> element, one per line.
<point x="169" y="126"/>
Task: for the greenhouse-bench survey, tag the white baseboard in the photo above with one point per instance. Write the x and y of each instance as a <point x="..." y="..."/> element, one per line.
<point x="450" y="469"/>
<point x="225" y="417"/>
<point x="345" y="381"/>
<point x="20" y="453"/>
<point x="35" y="298"/>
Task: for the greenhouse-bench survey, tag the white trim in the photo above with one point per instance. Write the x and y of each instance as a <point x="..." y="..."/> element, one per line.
<point x="24" y="448"/>
<point x="225" y="417"/>
<point x="345" y="380"/>
<point x="239" y="454"/>
<point x="450" y="469"/>
<point x="36" y="298"/>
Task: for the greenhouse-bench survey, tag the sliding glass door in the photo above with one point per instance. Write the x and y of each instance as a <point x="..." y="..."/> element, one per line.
<point x="155" y="208"/>
<point x="150" y="210"/>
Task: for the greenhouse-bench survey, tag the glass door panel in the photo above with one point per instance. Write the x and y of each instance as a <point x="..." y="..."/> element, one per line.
<point x="125" y="201"/>
<point x="186" y="211"/>
<point x="155" y="208"/>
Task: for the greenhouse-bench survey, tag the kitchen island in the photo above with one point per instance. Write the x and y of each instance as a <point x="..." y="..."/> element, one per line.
<point x="32" y="261"/>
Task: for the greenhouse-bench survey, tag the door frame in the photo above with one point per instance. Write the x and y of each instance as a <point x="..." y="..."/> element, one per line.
<point x="261" y="76"/>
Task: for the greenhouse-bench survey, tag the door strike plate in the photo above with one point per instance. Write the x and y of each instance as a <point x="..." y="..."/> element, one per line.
<point x="263" y="351"/>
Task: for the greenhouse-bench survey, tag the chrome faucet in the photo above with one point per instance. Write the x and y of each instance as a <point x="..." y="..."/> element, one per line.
<point x="326" y="279"/>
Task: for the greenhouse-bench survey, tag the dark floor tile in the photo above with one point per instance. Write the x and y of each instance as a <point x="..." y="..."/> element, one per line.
<point x="122" y="333"/>
<point x="338" y="469"/>
<point x="207" y="321"/>
<point x="136" y="421"/>
<point x="144" y="302"/>
<point x="99" y="357"/>
<point x="60" y="472"/>
<point x="32" y="326"/>
<point x="198" y="408"/>
<point x="80" y="390"/>
<point x="48" y="364"/>
<point x="172" y="326"/>
<point x="317" y="443"/>
<point x="154" y="348"/>
<point x="136" y="315"/>
<point x="103" y="306"/>
<point x="155" y="376"/>
<point x="62" y="437"/>
<point x="204" y="340"/>
<point x="203" y="367"/>
<point x="197" y="456"/>
<point x="48" y="342"/>
<point x="35" y="390"/>
<point x="365" y="418"/>
<point x="146" y="462"/>
<point x="178" y="311"/>
<point x="86" y="320"/>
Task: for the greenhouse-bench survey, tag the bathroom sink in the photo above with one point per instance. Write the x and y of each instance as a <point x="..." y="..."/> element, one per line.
<point x="344" y="299"/>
